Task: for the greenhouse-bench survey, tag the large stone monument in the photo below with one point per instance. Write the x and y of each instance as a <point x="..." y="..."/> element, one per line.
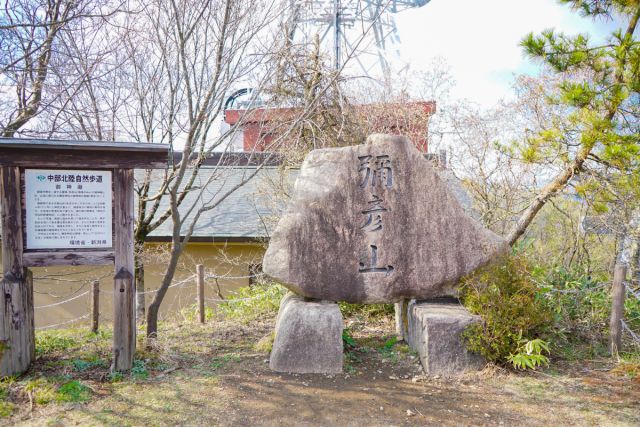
<point x="372" y="223"/>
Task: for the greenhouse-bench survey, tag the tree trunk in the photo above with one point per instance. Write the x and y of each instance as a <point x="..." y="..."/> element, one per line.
<point x="617" y="309"/>
<point x="154" y="307"/>
<point x="139" y="278"/>
<point x="628" y="252"/>
<point x="549" y="191"/>
<point x="152" y="321"/>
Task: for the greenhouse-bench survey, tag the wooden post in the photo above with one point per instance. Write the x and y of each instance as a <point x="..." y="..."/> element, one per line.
<point x="401" y="314"/>
<point x="200" y="283"/>
<point x="617" y="309"/>
<point x="124" y="318"/>
<point x="17" y="333"/>
<point x="95" y="306"/>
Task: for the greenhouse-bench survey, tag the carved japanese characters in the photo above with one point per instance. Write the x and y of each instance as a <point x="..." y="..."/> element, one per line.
<point x="375" y="223"/>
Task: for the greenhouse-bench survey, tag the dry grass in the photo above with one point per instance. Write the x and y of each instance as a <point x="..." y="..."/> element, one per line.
<point x="216" y="375"/>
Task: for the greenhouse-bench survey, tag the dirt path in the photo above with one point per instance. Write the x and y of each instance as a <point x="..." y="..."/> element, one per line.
<point x="216" y="377"/>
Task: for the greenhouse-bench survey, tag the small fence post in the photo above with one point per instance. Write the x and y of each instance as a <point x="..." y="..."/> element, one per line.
<point x="200" y="284"/>
<point x="95" y="306"/>
<point x="617" y="309"/>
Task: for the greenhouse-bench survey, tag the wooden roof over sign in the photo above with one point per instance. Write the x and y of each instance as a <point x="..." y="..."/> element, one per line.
<point x="85" y="154"/>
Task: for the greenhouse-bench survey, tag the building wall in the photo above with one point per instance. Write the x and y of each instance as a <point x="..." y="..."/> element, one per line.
<point x="53" y="285"/>
<point x="410" y="119"/>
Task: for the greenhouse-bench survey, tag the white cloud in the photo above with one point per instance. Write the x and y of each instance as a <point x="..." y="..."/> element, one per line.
<point x="479" y="39"/>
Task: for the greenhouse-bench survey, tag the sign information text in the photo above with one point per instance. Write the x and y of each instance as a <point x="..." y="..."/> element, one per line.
<point x="68" y="209"/>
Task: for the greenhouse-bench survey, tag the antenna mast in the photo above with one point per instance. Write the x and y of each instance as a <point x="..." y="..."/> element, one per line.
<point x="362" y="29"/>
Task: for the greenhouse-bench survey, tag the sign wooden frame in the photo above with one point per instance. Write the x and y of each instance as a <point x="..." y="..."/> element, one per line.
<point x="53" y="197"/>
<point x="17" y="334"/>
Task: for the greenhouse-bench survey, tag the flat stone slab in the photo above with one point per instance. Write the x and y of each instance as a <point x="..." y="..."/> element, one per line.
<point x="375" y="223"/>
<point x="434" y="332"/>
<point x="308" y="337"/>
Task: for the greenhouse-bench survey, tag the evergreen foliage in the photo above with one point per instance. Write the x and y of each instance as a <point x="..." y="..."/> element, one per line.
<point x="591" y="128"/>
<point x="505" y="296"/>
<point x="598" y="86"/>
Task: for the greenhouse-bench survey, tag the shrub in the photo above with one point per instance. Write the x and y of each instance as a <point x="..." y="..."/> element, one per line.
<point x="251" y="302"/>
<point x="115" y="376"/>
<point x="505" y="295"/>
<point x="580" y="304"/>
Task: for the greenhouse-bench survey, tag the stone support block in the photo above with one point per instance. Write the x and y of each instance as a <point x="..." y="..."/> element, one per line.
<point x="435" y="333"/>
<point x="308" y="337"/>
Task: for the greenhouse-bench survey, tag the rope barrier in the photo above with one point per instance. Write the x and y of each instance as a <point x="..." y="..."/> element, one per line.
<point x="55" y="279"/>
<point x="61" y="276"/>
<point x="182" y="282"/>
<point x="234" y="299"/>
<point x="58" y="279"/>
<point x="211" y="276"/>
<point x="63" y="302"/>
<point x="250" y="276"/>
<point x="64" y="323"/>
<point x="62" y="296"/>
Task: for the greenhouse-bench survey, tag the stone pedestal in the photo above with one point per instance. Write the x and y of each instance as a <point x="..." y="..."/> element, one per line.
<point x="435" y="330"/>
<point x="308" y="337"/>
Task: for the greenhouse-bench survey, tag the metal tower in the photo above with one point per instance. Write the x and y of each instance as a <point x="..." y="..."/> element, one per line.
<point x="362" y="29"/>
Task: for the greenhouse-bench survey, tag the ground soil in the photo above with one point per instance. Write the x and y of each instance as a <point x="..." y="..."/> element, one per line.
<point x="215" y="375"/>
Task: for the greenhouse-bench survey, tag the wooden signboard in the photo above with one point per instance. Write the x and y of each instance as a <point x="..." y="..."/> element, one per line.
<point x="67" y="203"/>
<point x="68" y="209"/>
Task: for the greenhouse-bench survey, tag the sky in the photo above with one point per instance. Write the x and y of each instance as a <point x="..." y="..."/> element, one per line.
<point x="480" y="40"/>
